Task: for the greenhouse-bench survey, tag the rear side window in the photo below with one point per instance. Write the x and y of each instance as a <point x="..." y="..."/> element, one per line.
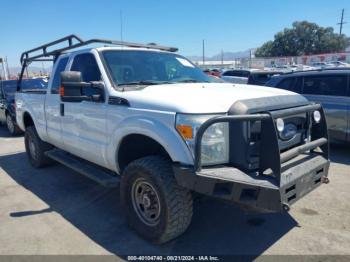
<point x="228" y="73"/>
<point x="331" y="85"/>
<point x="287" y="84"/>
<point x="56" y="82"/>
<point x="260" y="78"/>
<point x="236" y="73"/>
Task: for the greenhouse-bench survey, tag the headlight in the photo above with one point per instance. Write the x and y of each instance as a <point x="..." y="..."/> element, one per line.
<point x="317" y="116"/>
<point x="280" y="124"/>
<point x="215" y="141"/>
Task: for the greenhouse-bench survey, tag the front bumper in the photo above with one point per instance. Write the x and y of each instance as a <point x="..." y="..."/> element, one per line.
<point x="232" y="184"/>
<point x="281" y="179"/>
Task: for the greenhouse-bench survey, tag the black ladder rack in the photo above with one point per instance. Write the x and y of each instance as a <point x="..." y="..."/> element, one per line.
<point x="41" y="53"/>
<point x="25" y="57"/>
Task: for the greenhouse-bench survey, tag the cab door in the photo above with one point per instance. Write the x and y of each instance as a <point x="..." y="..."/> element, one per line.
<point x="84" y="129"/>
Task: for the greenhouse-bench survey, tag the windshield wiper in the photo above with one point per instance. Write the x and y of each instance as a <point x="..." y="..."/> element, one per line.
<point x="192" y="81"/>
<point x="144" y="82"/>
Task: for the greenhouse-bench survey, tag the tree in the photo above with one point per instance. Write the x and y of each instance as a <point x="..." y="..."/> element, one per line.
<point x="304" y="38"/>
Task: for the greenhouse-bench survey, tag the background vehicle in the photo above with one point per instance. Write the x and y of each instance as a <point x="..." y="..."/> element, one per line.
<point x="248" y="76"/>
<point x="328" y="87"/>
<point x="322" y="65"/>
<point x="339" y="64"/>
<point x="212" y="72"/>
<point x="146" y="119"/>
<point x="7" y="99"/>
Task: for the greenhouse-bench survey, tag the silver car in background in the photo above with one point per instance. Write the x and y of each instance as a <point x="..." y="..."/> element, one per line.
<point x="331" y="88"/>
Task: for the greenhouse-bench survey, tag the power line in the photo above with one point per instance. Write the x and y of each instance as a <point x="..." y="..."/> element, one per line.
<point x="342" y="22"/>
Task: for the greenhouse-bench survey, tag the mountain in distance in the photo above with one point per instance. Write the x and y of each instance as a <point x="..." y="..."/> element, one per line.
<point x="228" y="56"/>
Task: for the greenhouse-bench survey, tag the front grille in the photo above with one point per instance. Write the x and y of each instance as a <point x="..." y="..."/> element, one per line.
<point x="246" y="137"/>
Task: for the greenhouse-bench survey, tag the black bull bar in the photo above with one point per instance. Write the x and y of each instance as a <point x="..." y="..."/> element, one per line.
<point x="288" y="180"/>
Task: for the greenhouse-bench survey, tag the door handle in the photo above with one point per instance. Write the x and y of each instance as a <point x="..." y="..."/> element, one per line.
<point x="62" y="109"/>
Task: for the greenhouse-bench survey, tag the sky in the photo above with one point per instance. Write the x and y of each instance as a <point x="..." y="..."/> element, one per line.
<point x="229" y="25"/>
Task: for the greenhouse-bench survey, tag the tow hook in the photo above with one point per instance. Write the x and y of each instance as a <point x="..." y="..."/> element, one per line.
<point x="286" y="207"/>
<point x="325" y="180"/>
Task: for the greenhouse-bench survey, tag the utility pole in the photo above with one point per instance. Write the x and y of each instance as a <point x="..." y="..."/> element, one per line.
<point x="341" y="22"/>
<point x="203" y="53"/>
<point x="7" y="68"/>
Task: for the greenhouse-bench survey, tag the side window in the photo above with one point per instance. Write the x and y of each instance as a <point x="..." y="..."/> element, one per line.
<point x="298" y="85"/>
<point x="331" y="85"/>
<point x="87" y="65"/>
<point x="56" y="82"/>
<point x="236" y="73"/>
<point x="227" y="73"/>
<point x="287" y="84"/>
<point x="245" y="74"/>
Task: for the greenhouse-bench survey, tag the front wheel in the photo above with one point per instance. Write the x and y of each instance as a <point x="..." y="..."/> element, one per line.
<point x="157" y="208"/>
<point x="36" y="148"/>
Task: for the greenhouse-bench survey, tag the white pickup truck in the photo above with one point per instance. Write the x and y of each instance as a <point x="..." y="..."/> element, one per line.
<point x="146" y="119"/>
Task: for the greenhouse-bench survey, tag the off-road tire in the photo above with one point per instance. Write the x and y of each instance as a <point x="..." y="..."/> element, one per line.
<point x="175" y="201"/>
<point x="12" y="126"/>
<point x="38" y="158"/>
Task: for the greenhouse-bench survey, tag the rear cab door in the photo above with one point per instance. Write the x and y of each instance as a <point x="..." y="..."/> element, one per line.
<point x="52" y="103"/>
<point x="331" y="91"/>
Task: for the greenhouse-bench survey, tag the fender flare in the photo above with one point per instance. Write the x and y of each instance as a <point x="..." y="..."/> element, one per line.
<point x="167" y="137"/>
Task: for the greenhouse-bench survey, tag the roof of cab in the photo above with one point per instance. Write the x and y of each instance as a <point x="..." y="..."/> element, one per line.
<point x="111" y="48"/>
<point x="315" y="72"/>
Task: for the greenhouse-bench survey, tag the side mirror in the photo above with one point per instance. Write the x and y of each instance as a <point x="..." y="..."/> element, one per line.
<point x="73" y="89"/>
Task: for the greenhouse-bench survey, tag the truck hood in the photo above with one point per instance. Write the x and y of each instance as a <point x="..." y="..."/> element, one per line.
<point x="198" y="98"/>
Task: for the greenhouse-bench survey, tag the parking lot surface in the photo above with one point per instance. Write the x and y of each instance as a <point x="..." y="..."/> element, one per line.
<point x="57" y="211"/>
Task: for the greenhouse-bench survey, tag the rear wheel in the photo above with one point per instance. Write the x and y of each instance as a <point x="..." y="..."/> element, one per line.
<point x="157" y="208"/>
<point x="12" y="126"/>
<point x="36" y="148"/>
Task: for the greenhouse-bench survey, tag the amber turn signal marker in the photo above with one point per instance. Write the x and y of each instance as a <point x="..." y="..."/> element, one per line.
<point x="61" y="91"/>
<point x="185" y="131"/>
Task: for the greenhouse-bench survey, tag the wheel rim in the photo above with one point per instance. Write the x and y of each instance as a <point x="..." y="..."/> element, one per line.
<point x="145" y="201"/>
<point x="10" y="124"/>
<point x="32" y="148"/>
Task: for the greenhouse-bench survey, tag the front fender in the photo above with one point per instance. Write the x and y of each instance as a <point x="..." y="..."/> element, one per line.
<point x="159" y="131"/>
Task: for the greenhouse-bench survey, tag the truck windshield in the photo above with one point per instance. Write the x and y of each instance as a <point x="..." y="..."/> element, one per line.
<point x="150" y="68"/>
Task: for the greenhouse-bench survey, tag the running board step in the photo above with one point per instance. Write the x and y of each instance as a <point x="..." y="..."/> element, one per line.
<point x="99" y="174"/>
